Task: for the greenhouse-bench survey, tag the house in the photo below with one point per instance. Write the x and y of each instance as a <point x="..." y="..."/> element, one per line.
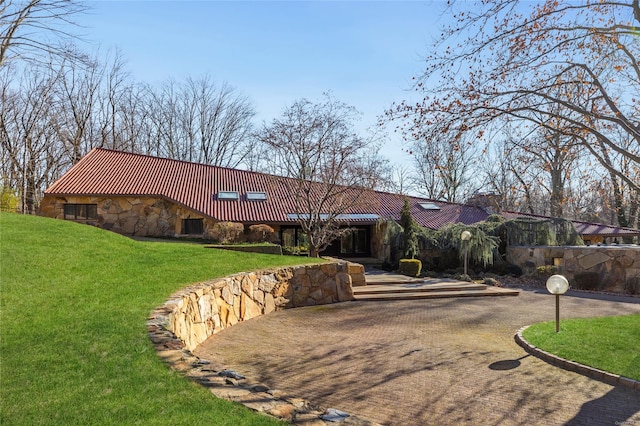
<point x="141" y="195"/>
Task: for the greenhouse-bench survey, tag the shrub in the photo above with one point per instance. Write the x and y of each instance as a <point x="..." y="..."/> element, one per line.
<point x="546" y="271"/>
<point x="492" y="281"/>
<point x="505" y="268"/>
<point x="295" y="250"/>
<point x="462" y="277"/>
<point x="9" y="200"/>
<point x="261" y="234"/>
<point x="227" y="232"/>
<point x="410" y="267"/>
<point x="587" y="281"/>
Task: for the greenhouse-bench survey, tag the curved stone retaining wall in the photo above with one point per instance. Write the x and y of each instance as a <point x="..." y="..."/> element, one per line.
<point x="199" y="311"/>
<point x="195" y="313"/>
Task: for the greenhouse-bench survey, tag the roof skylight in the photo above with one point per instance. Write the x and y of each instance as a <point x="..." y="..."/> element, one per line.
<point x="429" y="206"/>
<point x="256" y="196"/>
<point x="228" y="195"/>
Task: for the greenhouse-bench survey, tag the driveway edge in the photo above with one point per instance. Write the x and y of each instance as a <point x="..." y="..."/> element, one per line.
<point x="585" y="370"/>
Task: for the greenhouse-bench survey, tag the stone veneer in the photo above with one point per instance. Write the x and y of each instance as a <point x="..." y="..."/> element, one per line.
<point x="202" y="310"/>
<point x="140" y="216"/>
<point x="614" y="264"/>
<point x="195" y="313"/>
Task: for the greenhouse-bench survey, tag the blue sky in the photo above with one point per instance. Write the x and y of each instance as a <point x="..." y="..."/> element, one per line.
<point x="364" y="52"/>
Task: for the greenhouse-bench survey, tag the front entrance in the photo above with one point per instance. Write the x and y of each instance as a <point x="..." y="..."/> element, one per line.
<point x="356" y="243"/>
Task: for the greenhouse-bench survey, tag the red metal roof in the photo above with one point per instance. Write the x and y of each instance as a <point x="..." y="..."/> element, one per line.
<point x="584" y="228"/>
<point x="105" y="172"/>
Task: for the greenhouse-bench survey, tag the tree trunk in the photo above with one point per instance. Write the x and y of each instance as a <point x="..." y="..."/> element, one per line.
<point x="557" y="193"/>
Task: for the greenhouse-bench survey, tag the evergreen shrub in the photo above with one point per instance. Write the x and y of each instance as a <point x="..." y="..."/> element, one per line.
<point x="410" y="267"/>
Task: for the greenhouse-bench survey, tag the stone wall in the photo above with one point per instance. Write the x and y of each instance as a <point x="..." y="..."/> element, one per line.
<point x="199" y="311"/>
<point x="140" y="216"/>
<point x="615" y="265"/>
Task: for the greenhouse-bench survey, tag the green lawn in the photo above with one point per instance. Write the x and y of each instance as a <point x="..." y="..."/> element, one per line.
<point x="73" y="343"/>
<point x="611" y="343"/>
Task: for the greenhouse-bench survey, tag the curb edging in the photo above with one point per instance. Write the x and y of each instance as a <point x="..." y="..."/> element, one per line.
<point x="585" y="370"/>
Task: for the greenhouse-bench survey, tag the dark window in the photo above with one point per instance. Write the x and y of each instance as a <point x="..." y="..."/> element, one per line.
<point x="192" y="226"/>
<point x="293" y="236"/>
<point x="354" y="242"/>
<point x="81" y="211"/>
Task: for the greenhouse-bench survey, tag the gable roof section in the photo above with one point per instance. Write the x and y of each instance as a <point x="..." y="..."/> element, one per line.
<point x="105" y="172"/>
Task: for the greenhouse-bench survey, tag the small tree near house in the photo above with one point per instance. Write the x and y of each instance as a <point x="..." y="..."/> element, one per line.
<point x="331" y="169"/>
<point x="410" y="228"/>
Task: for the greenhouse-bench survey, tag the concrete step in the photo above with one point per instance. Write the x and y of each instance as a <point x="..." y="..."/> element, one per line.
<point x="444" y="293"/>
<point x="382" y="285"/>
<point x="418" y="287"/>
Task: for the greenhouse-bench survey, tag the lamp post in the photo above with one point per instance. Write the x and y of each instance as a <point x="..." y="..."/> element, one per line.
<point x="465" y="237"/>
<point x="557" y="284"/>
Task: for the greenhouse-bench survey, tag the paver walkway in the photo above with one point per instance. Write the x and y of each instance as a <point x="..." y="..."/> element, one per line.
<point x="427" y="362"/>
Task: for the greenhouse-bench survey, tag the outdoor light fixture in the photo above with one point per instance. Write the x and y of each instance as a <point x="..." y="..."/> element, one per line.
<point x="465" y="237"/>
<point x="557" y="284"/>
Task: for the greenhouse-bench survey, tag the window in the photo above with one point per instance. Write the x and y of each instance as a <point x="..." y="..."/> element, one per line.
<point x="228" y="195"/>
<point x="81" y="211"/>
<point x="429" y="206"/>
<point x="256" y="196"/>
<point x="293" y="237"/>
<point x="192" y="226"/>
<point x="354" y="242"/>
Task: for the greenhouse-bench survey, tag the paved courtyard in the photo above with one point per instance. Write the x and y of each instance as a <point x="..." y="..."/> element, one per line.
<point x="427" y="362"/>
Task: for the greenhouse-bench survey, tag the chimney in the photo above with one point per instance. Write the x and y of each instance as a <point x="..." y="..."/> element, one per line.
<point x="487" y="201"/>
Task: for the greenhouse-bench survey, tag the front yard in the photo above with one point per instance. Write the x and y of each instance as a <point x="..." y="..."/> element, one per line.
<point x="74" y="346"/>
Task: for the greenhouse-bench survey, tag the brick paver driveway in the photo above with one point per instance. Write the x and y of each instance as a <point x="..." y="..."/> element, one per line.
<point x="427" y="362"/>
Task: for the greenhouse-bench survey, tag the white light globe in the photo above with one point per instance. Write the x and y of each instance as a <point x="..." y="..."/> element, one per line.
<point x="465" y="235"/>
<point x="557" y="284"/>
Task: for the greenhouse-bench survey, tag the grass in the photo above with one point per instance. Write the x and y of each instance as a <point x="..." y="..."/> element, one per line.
<point x="73" y="343"/>
<point x="609" y="343"/>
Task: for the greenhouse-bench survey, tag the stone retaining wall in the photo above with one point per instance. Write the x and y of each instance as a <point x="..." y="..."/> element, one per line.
<point x="615" y="265"/>
<point x="195" y="313"/>
<point x="199" y="311"/>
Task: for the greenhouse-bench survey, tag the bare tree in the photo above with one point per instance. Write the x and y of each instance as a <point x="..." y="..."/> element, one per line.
<point x="222" y="124"/>
<point x="200" y="121"/>
<point x="77" y="96"/>
<point x="569" y="68"/>
<point x="443" y="166"/>
<point x="399" y="179"/>
<point x="505" y="175"/>
<point x="26" y="27"/>
<point x="330" y="166"/>
<point x="28" y="134"/>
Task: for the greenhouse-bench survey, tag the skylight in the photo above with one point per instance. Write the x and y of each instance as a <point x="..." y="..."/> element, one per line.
<point x="429" y="206"/>
<point x="256" y="196"/>
<point x="228" y="195"/>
